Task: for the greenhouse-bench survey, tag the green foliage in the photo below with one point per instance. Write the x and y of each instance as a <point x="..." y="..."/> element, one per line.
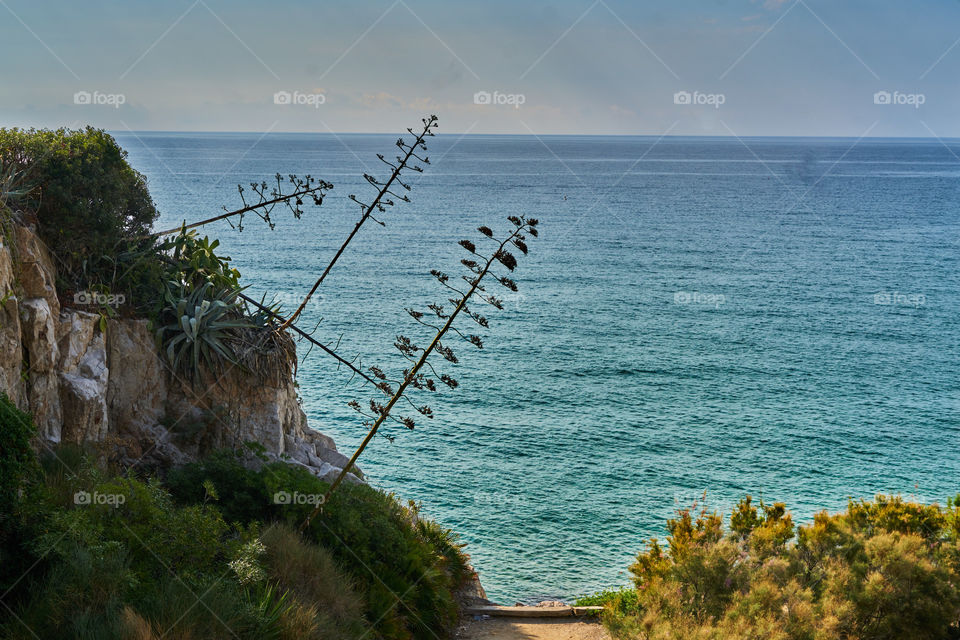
<point x="198" y="330"/>
<point x="89" y="203"/>
<point x="115" y="557"/>
<point x="884" y="569"/>
<point x="325" y="604"/>
<point x="194" y="263"/>
<point x="18" y="463"/>
<point x="373" y="536"/>
<point x="241" y="492"/>
<point x="201" y="318"/>
<point x="623" y="599"/>
<point x="20" y="480"/>
<point x="386" y="548"/>
<point x="11" y="187"/>
<point x="141" y="518"/>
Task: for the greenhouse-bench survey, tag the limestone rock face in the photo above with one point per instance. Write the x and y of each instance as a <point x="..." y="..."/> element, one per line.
<point x="251" y="409"/>
<point x="84" y="384"/>
<point x="136" y="389"/>
<point x="83" y="377"/>
<point x="35" y="272"/>
<point x="39" y="339"/>
<point x="11" y="348"/>
<point x="11" y="353"/>
<point x="39" y="333"/>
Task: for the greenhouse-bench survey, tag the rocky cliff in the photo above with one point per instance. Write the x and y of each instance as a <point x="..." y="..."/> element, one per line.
<point x="88" y="379"/>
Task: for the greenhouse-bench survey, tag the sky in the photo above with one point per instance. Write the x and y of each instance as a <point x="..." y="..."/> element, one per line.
<point x="619" y="67"/>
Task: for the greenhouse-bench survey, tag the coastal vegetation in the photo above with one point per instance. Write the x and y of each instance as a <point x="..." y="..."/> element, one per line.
<point x="90" y="551"/>
<point x="221" y="546"/>
<point x="883" y="569"/>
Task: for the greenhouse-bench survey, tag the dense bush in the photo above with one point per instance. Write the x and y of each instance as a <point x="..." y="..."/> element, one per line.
<point x="19" y="480"/>
<point x="884" y="569"/>
<point x="209" y="553"/>
<point x="91" y="206"/>
<point x="386" y="548"/>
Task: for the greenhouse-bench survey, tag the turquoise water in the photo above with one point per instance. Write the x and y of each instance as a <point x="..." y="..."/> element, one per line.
<point x="774" y="316"/>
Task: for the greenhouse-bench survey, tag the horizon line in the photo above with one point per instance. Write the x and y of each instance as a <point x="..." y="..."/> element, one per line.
<point x="535" y="135"/>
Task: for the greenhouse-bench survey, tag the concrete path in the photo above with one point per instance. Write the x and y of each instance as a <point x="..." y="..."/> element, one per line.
<point x="531" y="629"/>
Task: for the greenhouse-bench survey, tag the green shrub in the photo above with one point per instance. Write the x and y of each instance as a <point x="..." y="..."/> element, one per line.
<point x="90" y="204"/>
<point x="195" y="263"/>
<point x="191" y="541"/>
<point x="620" y="598"/>
<point x="19" y="469"/>
<point x="384" y="546"/>
<point x="325" y="602"/>
<point x="122" y="557"/>
<point x="20" y="477"/>
<point x="241" y="493"/>
<point x="884" y="569"/>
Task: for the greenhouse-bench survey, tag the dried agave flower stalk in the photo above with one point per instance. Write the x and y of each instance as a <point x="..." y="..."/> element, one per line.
<point x="422" y="374"/>
<point x="382" y="200"/>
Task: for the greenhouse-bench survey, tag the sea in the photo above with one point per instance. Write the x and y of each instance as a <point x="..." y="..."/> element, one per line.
<point x="699" y="319"/>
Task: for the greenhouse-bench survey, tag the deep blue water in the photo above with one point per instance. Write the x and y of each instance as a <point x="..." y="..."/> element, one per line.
<point x="699" y="315"/>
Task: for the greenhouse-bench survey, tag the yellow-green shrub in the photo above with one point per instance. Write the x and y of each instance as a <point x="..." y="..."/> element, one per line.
<point x="884" y="569"/>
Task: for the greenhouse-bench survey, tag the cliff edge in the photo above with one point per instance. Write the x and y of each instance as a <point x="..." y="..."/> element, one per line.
<point x="89" y="378"/>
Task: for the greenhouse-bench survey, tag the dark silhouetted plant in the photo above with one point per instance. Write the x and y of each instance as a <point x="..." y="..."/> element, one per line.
<point x="422" y="375"/>
<point x="382" y="199"/>
<point x="267" y="197"/>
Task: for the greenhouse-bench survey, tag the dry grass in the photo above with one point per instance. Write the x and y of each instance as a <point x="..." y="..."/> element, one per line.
<point x="327" y="604"/>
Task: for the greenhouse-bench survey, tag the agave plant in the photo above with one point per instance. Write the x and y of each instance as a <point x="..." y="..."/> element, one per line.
<point x="10" y="186"/>
<point x="201" y="328"/>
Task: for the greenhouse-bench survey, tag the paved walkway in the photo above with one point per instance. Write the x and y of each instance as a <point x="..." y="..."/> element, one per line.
<point x="531" y="629"/>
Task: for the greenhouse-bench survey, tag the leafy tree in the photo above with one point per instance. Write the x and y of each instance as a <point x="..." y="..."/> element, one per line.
<point x="88" y="202"/>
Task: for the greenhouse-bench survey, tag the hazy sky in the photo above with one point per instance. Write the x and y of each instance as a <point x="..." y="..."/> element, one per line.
<point x="756" y="67"/>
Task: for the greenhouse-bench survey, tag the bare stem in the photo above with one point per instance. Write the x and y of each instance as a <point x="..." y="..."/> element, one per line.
<point x="428" y="124"/>
<point x="247" y="209"/>
<point x="311" y="339"/>
<point x="409" y="378"/>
